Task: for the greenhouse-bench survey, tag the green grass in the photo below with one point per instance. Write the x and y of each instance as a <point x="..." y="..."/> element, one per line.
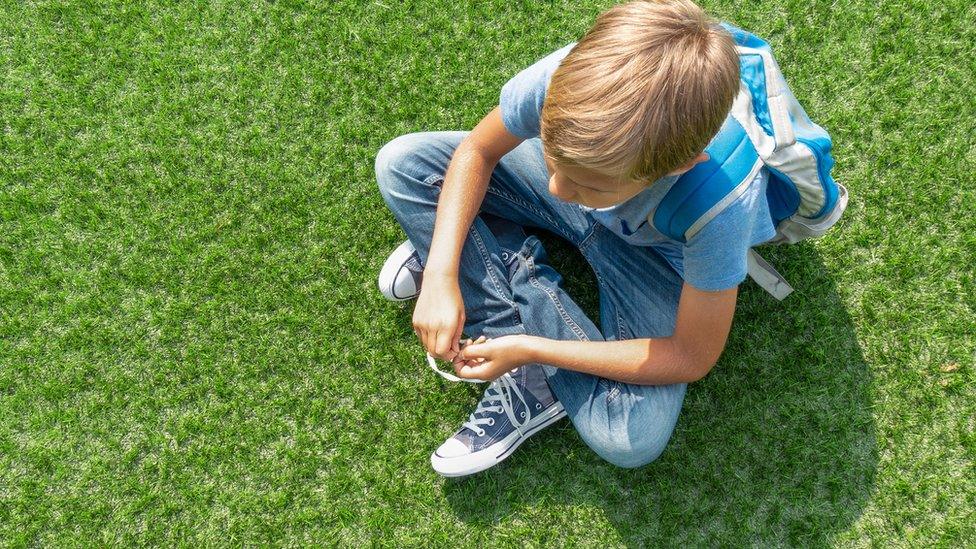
<point x="193" y="350"/>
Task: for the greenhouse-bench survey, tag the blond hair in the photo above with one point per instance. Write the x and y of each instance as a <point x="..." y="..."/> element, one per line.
<point x="643" y="92"/>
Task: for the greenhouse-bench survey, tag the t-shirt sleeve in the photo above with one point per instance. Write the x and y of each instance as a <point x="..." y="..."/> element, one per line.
<point x="522" y="97"/>
<point x="716" y="258"/>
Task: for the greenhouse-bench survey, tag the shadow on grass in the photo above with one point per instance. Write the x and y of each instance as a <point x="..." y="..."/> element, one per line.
<point x="775" y="446"/>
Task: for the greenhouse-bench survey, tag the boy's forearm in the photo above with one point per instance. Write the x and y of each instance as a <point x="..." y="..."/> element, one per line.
<point x="656" y="361"/>
<point x="462" y="193"/>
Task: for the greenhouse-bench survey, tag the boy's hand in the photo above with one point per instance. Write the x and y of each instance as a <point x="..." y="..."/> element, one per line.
<point x="493" y="358"/>
<point x="438" y="317"/>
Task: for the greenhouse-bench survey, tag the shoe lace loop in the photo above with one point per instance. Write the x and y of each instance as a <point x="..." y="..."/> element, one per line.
<point x="448" y="376"/>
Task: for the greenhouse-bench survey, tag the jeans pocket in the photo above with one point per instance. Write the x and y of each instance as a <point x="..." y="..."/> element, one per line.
<point x="511" y="261"/>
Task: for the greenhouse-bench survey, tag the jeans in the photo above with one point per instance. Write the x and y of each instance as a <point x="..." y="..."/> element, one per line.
<point x="509" y="287"/>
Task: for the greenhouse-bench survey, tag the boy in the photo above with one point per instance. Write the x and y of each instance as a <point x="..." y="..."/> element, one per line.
<point x="584" y="143"/>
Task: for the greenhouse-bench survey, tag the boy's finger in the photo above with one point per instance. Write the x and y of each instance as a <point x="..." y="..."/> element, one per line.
<point x="475" y="351"/>
<point x="466" y="371"/>
<point x="430" y="343"/>
<point x="475" y="372"/>
<point x="455" y="344"/>
<point x="444" y="345"/>
<point x="461" y="364"/>
<point x="456" y="339"/>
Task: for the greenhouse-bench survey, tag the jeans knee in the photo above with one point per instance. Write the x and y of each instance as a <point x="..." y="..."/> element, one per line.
<point x="629" y="452"/>
<point x="633" y="428"/>
<point x="413" y="156"/>
<point x="390" y="159"/>
<point x="393" y="152"/>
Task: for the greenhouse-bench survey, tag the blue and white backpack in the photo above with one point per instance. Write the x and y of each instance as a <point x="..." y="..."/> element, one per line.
<point x="767" y="127"/>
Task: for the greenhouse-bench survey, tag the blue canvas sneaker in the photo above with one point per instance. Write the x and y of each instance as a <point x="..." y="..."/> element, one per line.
<point x="515" y="406"/>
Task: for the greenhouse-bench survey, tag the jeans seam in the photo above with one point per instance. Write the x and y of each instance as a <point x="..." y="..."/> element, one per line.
<point x="432" y="178"/>
<point x="585" y="242"/>
<point x="601" y="283"/>
<point x="555" y="300"/>
<point x="486" y="259"/>
<point x="518" y="201"/>
<point x="611" y="389"/>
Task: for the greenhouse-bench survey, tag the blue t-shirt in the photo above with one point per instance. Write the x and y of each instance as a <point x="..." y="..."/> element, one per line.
<point x="714" y="258"/>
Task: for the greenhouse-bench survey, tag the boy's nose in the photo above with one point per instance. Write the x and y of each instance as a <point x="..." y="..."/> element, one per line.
<point x="557" y="191"/>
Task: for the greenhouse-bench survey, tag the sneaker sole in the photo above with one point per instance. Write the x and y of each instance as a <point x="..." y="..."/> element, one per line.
<point x="470" y="464"/>
<point x="395" y="263"/>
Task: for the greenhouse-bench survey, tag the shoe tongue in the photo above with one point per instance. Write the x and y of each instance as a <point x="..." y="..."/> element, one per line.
<point x="466" y="436"/>
<point x="496" y="393"/>
<point x="413" y="263"/>
<point x="533" y="381"/>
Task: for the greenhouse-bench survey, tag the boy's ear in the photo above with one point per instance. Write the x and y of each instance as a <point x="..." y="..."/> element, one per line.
<point x="702" y="157"/>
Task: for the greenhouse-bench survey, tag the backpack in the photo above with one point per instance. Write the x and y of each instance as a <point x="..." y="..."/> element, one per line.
<point x="767" y="127"/>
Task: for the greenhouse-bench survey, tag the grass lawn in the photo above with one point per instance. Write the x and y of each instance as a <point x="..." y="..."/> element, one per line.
<point x="193" y="350"/>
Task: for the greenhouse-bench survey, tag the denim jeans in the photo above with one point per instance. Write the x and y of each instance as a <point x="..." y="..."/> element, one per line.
<point x="509" y="287"/>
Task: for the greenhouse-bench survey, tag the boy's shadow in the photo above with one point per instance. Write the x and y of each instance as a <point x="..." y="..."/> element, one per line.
<point x="775" y="446"/>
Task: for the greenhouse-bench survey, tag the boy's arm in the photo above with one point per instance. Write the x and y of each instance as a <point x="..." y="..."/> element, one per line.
<point x="438" y="316"/>
<point x="463" y="191"/>
<point x="701" y="330"/>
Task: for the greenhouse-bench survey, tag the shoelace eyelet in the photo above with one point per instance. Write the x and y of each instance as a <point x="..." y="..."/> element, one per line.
<point x="538" y="405"/>
<point x="481" y="432"/>
<point x="522" y="414"/>
<point x="491" y="421"/>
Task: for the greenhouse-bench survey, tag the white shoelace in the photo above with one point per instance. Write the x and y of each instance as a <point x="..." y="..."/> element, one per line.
<point x="448" y="376"/>
<point x="501" y="391"/>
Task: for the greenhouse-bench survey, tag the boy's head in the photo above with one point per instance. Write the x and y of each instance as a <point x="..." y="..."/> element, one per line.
<point x="639" y="97"/>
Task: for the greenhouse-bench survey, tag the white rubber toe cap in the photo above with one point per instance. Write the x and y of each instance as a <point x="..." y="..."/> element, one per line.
<point x="452" y="448"/>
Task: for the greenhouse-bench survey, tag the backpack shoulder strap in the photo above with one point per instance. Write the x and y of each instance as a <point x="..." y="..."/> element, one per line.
<point x="703" y="192"/>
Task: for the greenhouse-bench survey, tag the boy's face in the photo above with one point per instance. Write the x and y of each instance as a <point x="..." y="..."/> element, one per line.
<point x="571" y="183"/>
<point x="582" y="186"/>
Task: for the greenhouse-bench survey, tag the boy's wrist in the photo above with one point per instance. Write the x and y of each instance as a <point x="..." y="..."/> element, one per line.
<point x="436" y="274"/>
<point x="533" y="347"/>
<point x="441" y="262"/>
